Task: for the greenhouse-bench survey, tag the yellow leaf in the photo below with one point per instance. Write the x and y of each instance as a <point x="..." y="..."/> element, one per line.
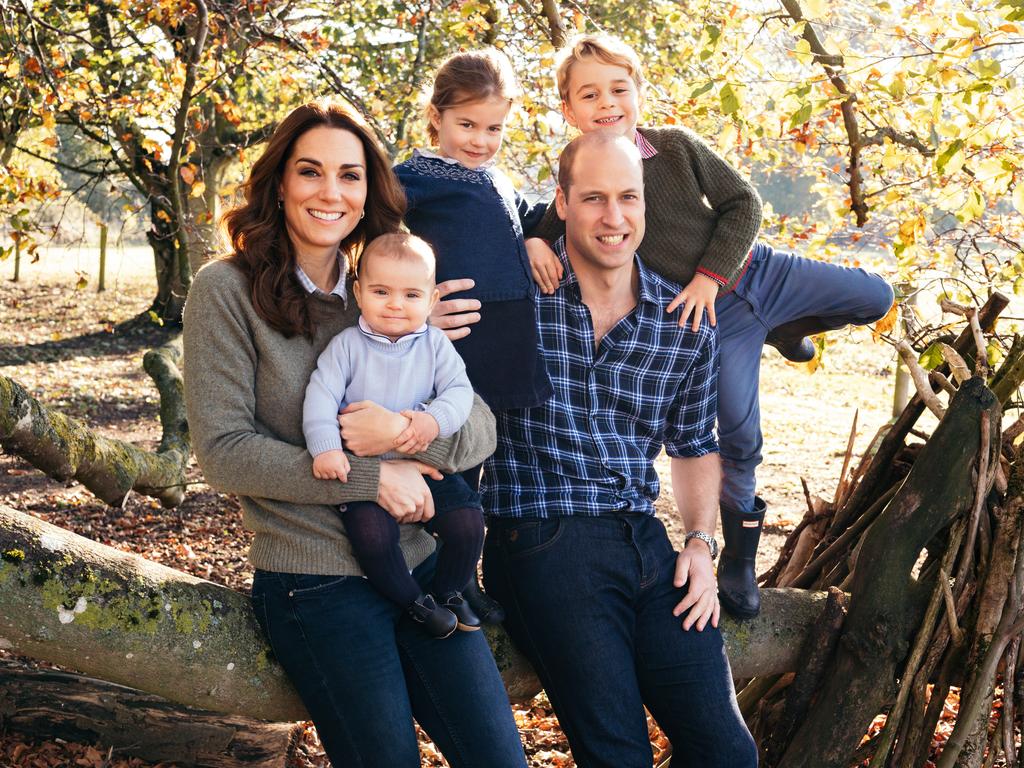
<point x="886" y="324"/>
<point x="198" y="188"/>
<point x="163" y="215"/>
<point x="803" y="52"/>
<point x="815" y="9"/>
<point x="13" y="68"/>
<point x="1018" y="197"/>
<point x="188" y="173"/>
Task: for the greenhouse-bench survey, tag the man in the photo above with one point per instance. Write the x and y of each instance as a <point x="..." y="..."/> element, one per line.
<point x="610" y="616"/>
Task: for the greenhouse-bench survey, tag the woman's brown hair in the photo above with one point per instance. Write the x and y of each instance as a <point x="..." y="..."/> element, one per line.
<point x="471" y="76"/>
<point x="262" y="249"/>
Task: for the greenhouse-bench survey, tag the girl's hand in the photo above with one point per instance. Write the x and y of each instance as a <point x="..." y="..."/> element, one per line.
<point x="423" y="429"/>
<point x="547" y="269"/>
<point x="331" y="465"/>
<point x="403" y="493"/>
<point x="369" y="429"/>
<point x="455" y="315"/>
<point x="697" y="297"/>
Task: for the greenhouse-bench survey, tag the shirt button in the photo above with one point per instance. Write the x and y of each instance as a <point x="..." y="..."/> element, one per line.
<point x="343" y="507"/>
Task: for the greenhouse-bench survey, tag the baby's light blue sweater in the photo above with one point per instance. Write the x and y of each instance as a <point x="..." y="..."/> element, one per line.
<point x="419" y="371"/>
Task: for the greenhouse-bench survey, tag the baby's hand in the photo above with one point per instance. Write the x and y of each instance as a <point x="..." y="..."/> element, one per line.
<point x="546" y="268"/>
<point x="696" y="297"/>
<point x="331" y="465"/>
<point x="421" y="432"/>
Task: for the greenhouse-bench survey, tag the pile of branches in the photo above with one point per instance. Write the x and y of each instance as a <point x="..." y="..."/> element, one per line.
<point x="920" y="551"/>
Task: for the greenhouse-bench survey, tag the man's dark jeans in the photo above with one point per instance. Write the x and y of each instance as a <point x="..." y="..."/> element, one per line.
<point x="364" y="669"/>
<point x="589" y="600"/>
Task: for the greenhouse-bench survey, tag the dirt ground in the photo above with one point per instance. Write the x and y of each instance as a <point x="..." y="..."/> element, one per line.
<point x="59" y="342"/>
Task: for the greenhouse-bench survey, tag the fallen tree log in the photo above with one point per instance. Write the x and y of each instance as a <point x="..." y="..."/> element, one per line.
<point x="76" y="708"/>
<point x="65" y="448"/>
<point x="117" y="616"/>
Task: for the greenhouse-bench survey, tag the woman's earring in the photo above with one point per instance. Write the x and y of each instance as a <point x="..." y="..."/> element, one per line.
<point x="362" y="213"/>
<point x="280" y="204"/>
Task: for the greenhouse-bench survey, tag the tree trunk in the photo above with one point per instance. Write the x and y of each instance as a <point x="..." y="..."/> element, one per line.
<point x="171" y="282"/>
<point x="65" y="448"/>
<point x="886" y="603"/>
<point x="61" y="705"/>
<point x="122" y="618"/>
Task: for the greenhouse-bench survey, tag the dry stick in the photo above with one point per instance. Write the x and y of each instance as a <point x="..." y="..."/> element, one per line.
<point x="957" y="365"/>
<point x="1011" y="623"/>
<point x="844" y="481"/>
<point x="937" y="379"/>
<point x="807" y="497"/>
<point x="1013" y="431"/>
<point x="920" y="646"/>
<point x="956" y="309"/>
<point x="1007" y="379"/>
<point x="770" y="577"/>
<point x="954" y="627"/>
<point x="837" y="547"/>
<point x="920" y="378"/>
<point x="980" y="359"/>
<point x="950" y="656"/>
<point x="981" y="491"/>
<point x="1009" y="706"/>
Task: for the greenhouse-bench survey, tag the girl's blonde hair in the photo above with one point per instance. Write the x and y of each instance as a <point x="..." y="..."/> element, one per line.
<point x="604" y="48"/>
<point x="471" y="76"/>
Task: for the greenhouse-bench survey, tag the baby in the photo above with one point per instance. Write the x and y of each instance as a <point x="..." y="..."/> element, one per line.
<point x="398" y="361"/>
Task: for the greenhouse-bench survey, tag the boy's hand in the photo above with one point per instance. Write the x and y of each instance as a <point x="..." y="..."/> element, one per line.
<point x="546" y="268"/>
<point x="696" y="297"/>
<point x="421" y="432"/>
<point x="331" y="465"/>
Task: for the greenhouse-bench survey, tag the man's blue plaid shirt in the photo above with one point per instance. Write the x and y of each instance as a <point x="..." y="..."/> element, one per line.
<point x="590" y="449"/>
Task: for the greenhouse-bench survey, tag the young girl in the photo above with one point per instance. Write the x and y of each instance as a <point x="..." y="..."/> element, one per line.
<point x="468" y="210"/>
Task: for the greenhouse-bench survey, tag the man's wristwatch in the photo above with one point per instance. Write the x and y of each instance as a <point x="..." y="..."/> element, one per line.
<point x="707" y="538"/>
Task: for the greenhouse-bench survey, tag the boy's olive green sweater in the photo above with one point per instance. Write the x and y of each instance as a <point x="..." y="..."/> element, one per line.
<point x="701" y="213"/>
<point x="244" y="387"/>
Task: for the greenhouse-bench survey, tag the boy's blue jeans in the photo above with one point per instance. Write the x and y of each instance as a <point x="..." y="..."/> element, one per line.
<point x="364" y="669"/>
<point x="777" y="288"/>
<point x="589" y="600"/>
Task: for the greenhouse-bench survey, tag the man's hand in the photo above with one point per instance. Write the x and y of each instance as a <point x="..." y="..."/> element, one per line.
<point x="369" y="429"/>
<point x="694" y="568"/>
<point x="547" y="269"/>
<point x="455" y="315"/>
<point x="699" y="295"/>
<point x="423" y="429"/>
<point x="331" y="465"/>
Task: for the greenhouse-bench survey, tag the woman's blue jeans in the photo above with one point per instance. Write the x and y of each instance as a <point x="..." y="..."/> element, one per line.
<point x="589" y="601"/>
<point x="364" y="670"/>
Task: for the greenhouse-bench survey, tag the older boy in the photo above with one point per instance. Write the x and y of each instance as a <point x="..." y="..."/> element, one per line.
<point x="702" y="217"/>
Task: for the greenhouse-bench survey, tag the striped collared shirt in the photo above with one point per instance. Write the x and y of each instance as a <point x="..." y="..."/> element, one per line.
<point x="590" y="449"/>
<point x="311" y="287"/>
<point x="647" y="150"/>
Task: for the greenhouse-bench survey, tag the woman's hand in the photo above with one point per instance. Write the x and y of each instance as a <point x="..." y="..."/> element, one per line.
<point x="455" y="315"/>
<point x="369" y="429"/>
<point x="699" y="295"/>
<point x="402" y="491"/>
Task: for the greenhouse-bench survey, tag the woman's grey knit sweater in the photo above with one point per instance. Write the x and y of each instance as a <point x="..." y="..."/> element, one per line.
<point x="244" y="387"/>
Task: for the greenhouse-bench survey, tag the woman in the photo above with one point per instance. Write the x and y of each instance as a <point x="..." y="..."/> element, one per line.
<point x="255" y="324"/>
